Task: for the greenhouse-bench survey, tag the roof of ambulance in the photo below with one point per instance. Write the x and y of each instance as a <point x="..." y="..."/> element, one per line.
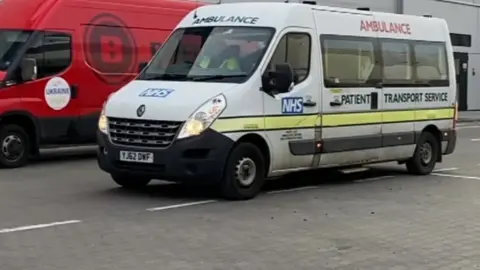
<point x="278" y="10"/>
<point x="284" y="7"/>
<point x="20" y="14"/>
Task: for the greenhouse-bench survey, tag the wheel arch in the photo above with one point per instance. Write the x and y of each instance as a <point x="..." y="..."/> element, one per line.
<point x="262" y="144"/>
<point x="27" y="121"/>
<point x="435" y="131"/>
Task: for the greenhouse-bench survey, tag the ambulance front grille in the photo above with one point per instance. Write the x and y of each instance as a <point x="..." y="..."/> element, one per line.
<point x="142" y="133"/>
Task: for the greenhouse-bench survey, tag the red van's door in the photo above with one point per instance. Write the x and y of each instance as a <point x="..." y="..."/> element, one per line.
<point x="51" y="97"/>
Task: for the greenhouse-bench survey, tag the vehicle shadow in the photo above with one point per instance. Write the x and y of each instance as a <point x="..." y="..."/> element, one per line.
<point x="63" y="155"/>
<point x="320" y="178"/>
<point x="329" y="177"/>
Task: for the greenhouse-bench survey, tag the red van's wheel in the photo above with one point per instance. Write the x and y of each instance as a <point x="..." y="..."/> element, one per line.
<point x="14" y="145"/>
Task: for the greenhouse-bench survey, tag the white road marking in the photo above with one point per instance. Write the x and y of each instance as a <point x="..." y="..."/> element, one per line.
<point x="457" y="176"/>
<point x="445" y="170"/>
<point x="292" y="190"/>
<point x="374" y="179"/>
<point x="173" y="206"/>
<point x="38" y="226"/>
<point x="475" y="140"/>
<point x="315" y="187"/>
<point x="467" y="127"/>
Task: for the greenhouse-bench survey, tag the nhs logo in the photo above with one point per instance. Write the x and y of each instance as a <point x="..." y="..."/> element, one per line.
<point x="156" y="92"/>
<point x="292" y="105"/>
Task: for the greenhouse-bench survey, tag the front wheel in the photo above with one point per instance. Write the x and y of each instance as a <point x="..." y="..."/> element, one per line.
<point x="425" y="156"/>
<point x="130" y="182"/>
<point x="14" y="146"/>
<point x="244" y="173"/>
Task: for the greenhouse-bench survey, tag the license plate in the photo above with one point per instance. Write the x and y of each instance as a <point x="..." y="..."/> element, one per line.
<point x="141" y="157"/>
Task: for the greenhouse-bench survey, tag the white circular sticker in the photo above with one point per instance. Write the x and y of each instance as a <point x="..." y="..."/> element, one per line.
<point x="57" y="93"/>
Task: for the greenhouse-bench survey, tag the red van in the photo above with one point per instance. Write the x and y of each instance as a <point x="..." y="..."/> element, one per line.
<point x="60" y="59"/>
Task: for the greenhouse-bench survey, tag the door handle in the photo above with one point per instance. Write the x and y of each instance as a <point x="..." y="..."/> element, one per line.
<point x="335" y="103"/>
<point x="374" y="101"/>
<point x="309" y="103"/>
<point x="74" y="91"/>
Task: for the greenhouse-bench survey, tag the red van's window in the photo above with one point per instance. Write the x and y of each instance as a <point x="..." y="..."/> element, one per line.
<point x="52" y="53"/>
<point x="11" y="42"/>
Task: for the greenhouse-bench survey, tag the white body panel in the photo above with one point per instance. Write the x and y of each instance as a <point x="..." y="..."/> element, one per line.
<point x="178" y="105"/>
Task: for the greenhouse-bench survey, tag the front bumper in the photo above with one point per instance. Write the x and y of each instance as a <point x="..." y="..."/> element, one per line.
<point x="199" y="159"/>
<point x="451" y="140"/>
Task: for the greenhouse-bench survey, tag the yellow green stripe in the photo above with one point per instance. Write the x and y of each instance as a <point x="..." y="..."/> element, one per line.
<point x="329" y="120"/>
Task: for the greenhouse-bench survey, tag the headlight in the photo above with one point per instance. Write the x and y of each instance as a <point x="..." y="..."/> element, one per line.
<point x="203" y="117"/>
<point x="103" y="123"/>
<point x="102" y="120"/>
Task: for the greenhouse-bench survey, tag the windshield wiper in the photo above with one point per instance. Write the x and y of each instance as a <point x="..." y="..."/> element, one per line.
<point x="217" y="77"/>
<point x="167" y="76"/>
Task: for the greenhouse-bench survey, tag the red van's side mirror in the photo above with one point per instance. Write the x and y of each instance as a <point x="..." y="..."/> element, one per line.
<point x="141" y="66"/>
<point x="28" y="69"/>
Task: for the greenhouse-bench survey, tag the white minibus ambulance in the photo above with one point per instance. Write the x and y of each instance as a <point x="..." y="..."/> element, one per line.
<point x="243" y="92"/>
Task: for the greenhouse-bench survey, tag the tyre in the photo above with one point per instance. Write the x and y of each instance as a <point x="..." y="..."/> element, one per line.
<point x="130" y="182"/>
<point x="244" y="173"/>
<point x="14" y="146"/>
<point x="425" y="156"/>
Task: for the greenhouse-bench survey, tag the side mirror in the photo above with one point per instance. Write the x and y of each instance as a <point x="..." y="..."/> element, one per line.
<point x="280" y="80"/>
<point x="141" y="66"/>
<point x="28" y="69"/>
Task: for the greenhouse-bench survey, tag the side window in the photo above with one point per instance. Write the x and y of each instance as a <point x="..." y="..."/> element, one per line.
<point x="431" y="62"/>
<point x="397" y="61"/>
<point x="57" y="53"/>
<point x="295" y="49"/>
<point x="348" y="62"/>
<point x="52" y="52"/>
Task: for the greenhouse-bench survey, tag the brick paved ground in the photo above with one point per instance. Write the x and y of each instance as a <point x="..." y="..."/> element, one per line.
<point x="382" y="220"/>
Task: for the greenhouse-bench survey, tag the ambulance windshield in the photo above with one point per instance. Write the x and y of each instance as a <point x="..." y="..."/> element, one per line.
<point x="213" y="54"/>
<point x="11" y="42"/>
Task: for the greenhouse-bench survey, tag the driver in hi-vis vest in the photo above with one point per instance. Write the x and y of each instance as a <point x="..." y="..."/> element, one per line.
<point x="228" y="59"/>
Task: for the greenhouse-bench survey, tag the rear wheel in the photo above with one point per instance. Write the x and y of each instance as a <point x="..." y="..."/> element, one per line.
<point x="425" y="156"/>
<point x="244" y="173"/>
<point x="14" y="146"/>
<point x="130" y="182"/>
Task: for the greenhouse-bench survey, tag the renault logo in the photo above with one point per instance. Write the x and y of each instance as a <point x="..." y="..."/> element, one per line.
<point x="141" y="110"/>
